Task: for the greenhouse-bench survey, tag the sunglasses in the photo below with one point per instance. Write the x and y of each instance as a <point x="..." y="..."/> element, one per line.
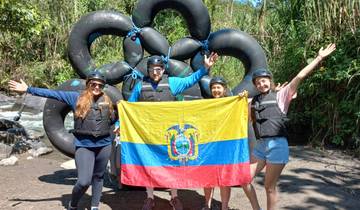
<point x="157" y="69"/>
<point x="95" y="84"/>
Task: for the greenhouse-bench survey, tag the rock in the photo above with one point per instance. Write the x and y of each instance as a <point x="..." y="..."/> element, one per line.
<point x="21" y="146"/>
<point x="29" y="158"/>
<point x="36" y="135"/>
<point x="12" y="127"/>
<point x="4" y="98"/>
<point x="11" y="131"/>
<point x="68" y="164"/>
<point x="36" y="144"/>
<point x="31" y="103"/>
<point x="5" y="150"/>
<point x="40" y="151"/>
<point x="13" y="134"/>
<point x="9" y="161"/>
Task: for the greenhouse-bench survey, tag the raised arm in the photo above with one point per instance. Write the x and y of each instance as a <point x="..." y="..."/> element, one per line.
<point x="68" y="97"/>
<point x="323" y="53"/>
<point x="178" y="85"/>
<point x="210" y="61"/>
<point x="19" y="87"/>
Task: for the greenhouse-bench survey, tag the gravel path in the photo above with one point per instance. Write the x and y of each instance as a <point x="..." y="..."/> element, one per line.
<point x="313" y="179"/>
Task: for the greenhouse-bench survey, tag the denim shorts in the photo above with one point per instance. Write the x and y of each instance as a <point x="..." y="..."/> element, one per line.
<point x="273" y="150"/>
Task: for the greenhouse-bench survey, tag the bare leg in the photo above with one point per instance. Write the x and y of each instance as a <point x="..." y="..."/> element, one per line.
<point x="272" y="175"/>
<point x="250" y="193"/>
<point x="208" y="193"/>
<point x="175" y="202"/>
<point x="225" y="193"/>
<point x="149" y="202"/>
<point x="150" y="192"/>
<point x="255" y="167"/>
<point x="173" y="193"/>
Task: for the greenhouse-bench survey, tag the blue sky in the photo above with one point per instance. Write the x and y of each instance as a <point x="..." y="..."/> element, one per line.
<point x="254" y="2"/>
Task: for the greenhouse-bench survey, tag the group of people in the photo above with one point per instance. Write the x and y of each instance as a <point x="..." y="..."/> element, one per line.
<point x="94" y="114"/>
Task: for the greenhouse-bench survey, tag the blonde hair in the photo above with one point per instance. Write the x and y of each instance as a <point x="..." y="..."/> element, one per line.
<point x="84" y="103"/>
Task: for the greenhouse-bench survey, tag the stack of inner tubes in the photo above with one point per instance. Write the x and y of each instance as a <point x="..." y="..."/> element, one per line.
<point x="182" y="58"/>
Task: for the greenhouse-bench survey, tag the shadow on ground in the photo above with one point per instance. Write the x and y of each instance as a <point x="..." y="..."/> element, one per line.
<point x="312" y="180"/>
<point x="334" y="185"/>
<point x="126" y="198"/>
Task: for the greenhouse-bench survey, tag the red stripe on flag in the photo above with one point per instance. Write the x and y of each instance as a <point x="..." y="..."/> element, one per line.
<point x="186" y="176"/>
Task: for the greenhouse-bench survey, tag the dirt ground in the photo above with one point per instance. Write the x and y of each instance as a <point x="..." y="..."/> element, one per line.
<point x="312" y="180"/>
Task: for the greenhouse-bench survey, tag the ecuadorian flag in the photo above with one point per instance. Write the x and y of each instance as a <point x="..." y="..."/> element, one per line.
<point x="187" y="144"/>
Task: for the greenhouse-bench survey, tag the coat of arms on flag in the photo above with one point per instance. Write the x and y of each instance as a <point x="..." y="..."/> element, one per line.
<point x="182" y="142"/>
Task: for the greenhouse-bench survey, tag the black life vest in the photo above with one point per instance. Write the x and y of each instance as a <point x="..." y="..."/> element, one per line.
<point x="162" y="92"/>
<point x="268" y="119"/>
<point x="97" y="122"/>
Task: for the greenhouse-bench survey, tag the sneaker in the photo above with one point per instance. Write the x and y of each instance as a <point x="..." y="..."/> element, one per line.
<point x="70" y="207"/>
<point x="176" y="203"/>
<point x="205" y="208"/>
<point x="149" y="204"/>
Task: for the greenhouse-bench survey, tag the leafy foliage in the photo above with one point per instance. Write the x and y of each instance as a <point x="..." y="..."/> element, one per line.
<point x="34" y="35"/>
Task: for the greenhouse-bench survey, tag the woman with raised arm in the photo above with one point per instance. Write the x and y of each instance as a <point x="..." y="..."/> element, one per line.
<point x="94" y="115"/>
<point x="268" y="115"/>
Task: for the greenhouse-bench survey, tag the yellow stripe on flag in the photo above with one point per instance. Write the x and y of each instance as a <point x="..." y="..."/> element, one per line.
<point x="215" y="119"/>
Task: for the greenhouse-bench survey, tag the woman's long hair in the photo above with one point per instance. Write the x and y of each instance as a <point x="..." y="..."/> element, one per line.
<point x="84" y="103"/>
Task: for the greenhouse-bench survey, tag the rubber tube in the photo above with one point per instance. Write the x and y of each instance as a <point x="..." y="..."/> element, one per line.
<point x="133" y="50"/>
<point x="85" y="31"/>
<point x="185" y="48"/>
<point x="153" y="42"/>
<point x="194" y="12"/>
<point x="238" y="44"/>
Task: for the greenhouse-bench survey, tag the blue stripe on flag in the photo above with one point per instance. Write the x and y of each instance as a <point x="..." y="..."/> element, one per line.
<point x="212" y="153"/>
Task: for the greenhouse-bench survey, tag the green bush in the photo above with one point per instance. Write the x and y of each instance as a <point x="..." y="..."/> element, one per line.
<point x="34" y="34"/>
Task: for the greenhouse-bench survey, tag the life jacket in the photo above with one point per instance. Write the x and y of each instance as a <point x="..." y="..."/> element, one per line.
<point x="97" y="122"/>
<point x="162" y="92"/>
<point x="268" y="119"/>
